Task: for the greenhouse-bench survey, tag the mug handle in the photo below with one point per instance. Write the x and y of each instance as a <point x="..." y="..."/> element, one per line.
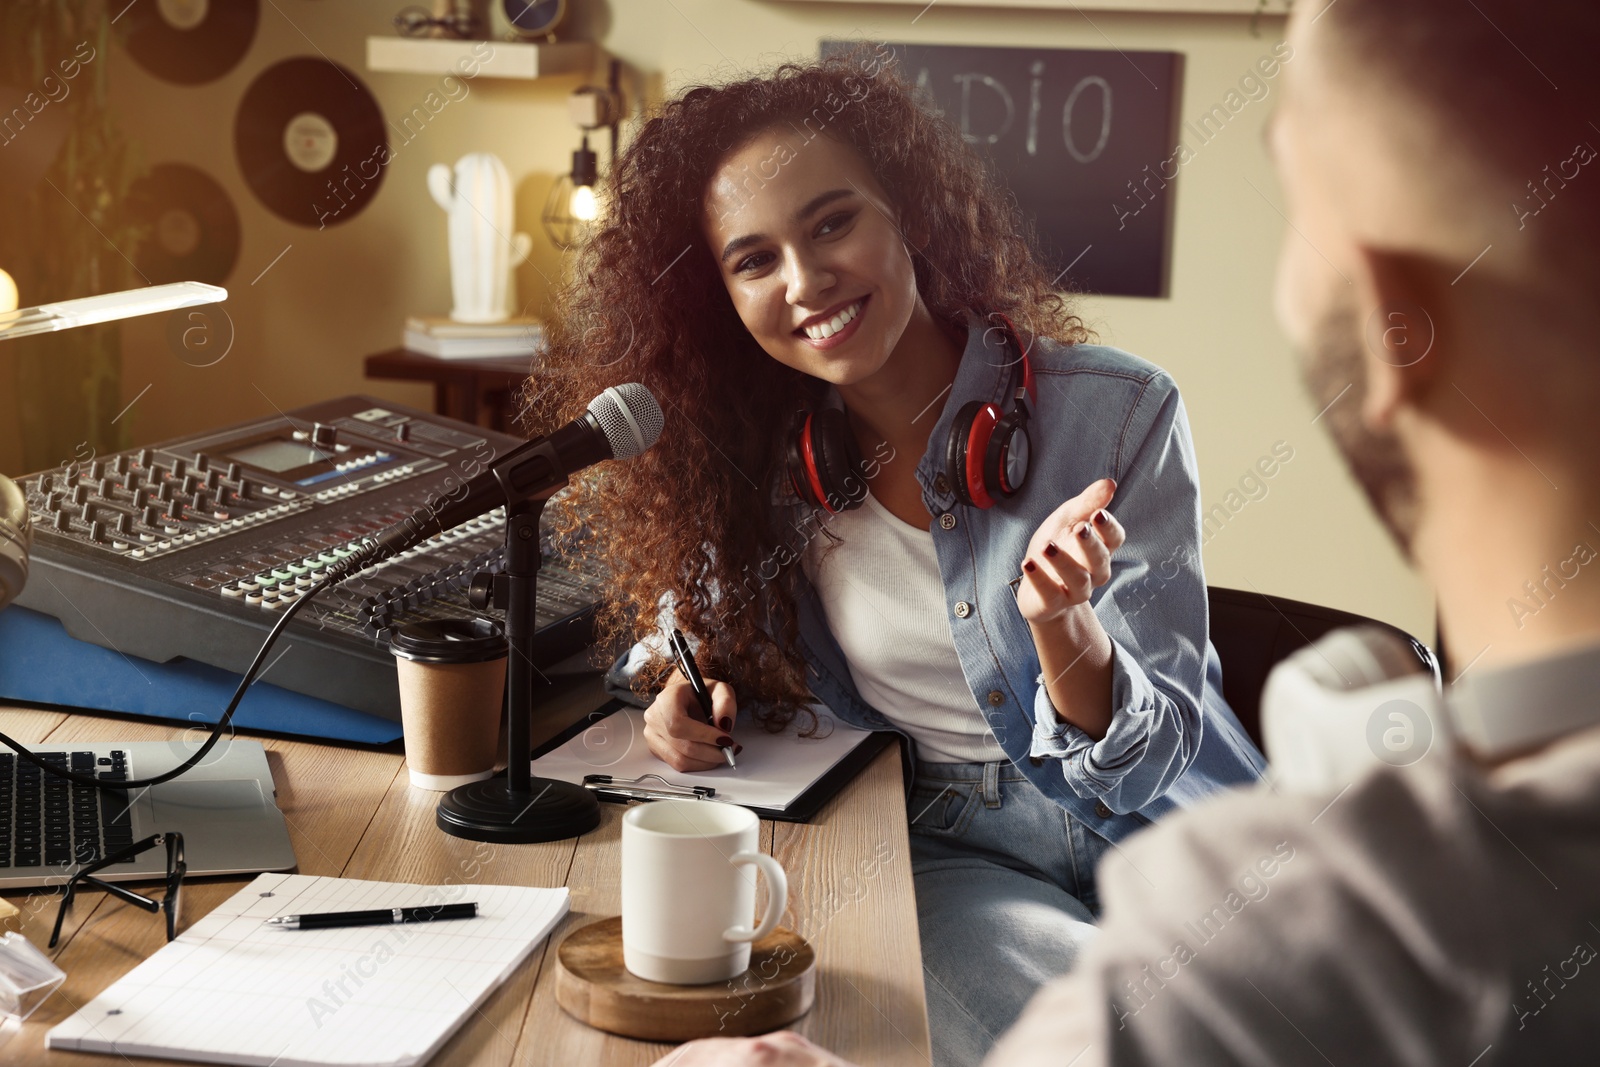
<point x="777" y="897"/>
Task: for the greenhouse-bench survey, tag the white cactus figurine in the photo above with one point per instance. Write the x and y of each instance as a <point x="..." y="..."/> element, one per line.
<point x="483" y="251"/>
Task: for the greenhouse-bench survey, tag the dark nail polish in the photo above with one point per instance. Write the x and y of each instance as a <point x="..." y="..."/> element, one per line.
<point x="737" y="749"/>
<point x="1083" y="533"/>
<point x="1100" y="517"/>
<point x="1029" y="566"/>
<point x="1050" y="549"/>
<point x="726" y="723"/>
<point x="724" y="741"/>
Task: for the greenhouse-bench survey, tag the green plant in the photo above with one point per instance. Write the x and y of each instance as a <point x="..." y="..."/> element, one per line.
<point x="69" y="236"/>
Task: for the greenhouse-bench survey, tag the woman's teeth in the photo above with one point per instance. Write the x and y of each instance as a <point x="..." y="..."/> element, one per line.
<point x="824" y="330"/>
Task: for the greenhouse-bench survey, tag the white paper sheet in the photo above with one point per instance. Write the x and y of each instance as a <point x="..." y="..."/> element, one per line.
<point x="774" y="769"/>
<point x="229" y="990"/>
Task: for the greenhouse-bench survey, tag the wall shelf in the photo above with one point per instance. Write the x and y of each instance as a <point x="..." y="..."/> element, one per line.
<point x="510" y="59"/>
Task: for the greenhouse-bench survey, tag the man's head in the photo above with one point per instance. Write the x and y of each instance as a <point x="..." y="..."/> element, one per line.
<point x="1441" y="273"/>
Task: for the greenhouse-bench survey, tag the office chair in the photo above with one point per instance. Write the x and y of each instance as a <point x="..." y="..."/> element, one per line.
<point x="1252" y="632"/>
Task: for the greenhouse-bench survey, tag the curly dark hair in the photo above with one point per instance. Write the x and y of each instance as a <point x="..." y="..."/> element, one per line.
<point x="647" y="303"/>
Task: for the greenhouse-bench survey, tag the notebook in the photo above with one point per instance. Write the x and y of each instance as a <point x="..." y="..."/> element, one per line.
<point x="231" y="991"/>
<point x="780" y="776"/>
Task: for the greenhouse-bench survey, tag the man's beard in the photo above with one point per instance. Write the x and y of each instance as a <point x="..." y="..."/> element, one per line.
<point x="1376" y="459"/>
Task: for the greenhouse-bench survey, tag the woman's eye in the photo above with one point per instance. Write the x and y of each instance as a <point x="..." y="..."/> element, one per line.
<point x="749" y="263"/>
<point x="833" y="222"/>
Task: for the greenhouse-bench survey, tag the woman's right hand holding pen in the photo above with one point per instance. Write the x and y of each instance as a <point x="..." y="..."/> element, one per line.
<point x="675" y="733"/>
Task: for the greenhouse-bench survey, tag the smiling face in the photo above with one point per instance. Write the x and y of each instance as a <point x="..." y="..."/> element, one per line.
<point x="807" y="248"/>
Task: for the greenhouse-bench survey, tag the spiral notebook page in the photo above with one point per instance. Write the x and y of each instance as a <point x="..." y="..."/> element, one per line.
<point x="230" y="991"/>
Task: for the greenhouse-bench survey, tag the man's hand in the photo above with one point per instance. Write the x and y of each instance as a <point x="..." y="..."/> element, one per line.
<point x="783" y="1049"/>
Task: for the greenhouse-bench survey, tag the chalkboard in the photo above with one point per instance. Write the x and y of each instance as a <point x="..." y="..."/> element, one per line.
<point x="1079" y="136"/>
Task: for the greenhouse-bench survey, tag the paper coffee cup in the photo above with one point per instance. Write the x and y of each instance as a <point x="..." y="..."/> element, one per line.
<point x="452" y="690"/>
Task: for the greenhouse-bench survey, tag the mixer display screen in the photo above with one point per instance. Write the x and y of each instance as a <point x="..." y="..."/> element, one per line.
<point x="277" y="455"/>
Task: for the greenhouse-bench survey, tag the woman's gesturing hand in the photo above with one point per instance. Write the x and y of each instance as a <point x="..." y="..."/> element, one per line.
<point x="681" y="740"/>
<point x="1069" y="556"/>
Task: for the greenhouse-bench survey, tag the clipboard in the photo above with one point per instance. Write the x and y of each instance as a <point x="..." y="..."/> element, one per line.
<point x="652" y="780"/>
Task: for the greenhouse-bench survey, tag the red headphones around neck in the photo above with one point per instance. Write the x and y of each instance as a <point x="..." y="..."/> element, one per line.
<point x="986" y="454"/>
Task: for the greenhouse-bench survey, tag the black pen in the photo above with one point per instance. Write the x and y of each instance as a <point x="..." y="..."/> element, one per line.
<point x="376" y="917"/>
<point x="691" y="671"/>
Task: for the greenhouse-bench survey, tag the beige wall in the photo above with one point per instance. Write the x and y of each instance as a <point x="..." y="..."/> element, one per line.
<point x="339" y="294"/>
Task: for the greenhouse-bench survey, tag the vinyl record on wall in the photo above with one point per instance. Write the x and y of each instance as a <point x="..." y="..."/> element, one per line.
<point x="191" y="41"/>
<point x="310" y="141"/>
<point x="194" y="229"/>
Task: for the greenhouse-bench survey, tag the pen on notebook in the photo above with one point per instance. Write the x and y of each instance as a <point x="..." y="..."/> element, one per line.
<point x="375" y="917"/>
<point x="691" y="671"/>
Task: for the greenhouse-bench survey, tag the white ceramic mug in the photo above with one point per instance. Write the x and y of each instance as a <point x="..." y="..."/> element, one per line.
<point x="689" y="890"/>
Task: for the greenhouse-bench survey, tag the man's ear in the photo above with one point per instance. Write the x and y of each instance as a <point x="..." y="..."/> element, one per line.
<point x="1402" y="308"/>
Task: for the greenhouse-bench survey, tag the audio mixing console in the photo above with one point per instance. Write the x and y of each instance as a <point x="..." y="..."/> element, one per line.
<point x="191" y="547"/>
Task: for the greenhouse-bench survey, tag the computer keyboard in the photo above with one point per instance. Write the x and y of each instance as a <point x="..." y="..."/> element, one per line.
<point x="46" y="821"/>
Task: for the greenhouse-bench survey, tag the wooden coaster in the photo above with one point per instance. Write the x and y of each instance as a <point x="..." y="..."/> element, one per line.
<point x="594" y="987"/>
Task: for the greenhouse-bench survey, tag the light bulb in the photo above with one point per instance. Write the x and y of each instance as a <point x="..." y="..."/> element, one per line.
<point x="8" y="293"/>
<point x="584" y="206"/>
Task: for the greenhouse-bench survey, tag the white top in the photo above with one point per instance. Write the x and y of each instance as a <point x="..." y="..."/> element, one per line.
<point x="885" y="603"/>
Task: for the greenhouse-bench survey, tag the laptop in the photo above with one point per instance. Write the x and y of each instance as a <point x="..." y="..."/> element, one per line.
<point x="224" y="807"/>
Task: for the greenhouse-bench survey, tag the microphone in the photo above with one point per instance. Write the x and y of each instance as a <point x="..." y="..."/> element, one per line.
<point x="620" y="423"/>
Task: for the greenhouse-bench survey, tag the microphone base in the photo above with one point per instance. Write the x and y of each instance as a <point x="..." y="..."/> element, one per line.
<point x="491" y="810"/>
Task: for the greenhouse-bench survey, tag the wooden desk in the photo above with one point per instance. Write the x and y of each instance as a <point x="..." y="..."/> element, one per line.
<point x="479" y="391"/>
<point x="352" y="812"/>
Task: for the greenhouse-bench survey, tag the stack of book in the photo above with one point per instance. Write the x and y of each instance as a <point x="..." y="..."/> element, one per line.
<point x="445" y="338"/>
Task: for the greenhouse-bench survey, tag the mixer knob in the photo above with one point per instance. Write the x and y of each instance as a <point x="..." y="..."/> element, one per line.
<point x="63" y="521"/>
<point x="175" y="509"/>
<point x="323" y="435"/>
<point x="179" y="466"/>
<point x="87" y="515"/>
<point x="107" y="487"/>
<point x="402" y="431"/>
<point x="146" y="457"/>
<point x="245" y="492"/>
<point x="190" y="483"/>
<point x="44" y="484"/>
<point x="202" y="462"/>
<point x="152" y="516"/>
<point x="97" y="531"/>
<point x="120" y="465"/>
<point x="199" y="500"/>
<point x="213" y="478"/>
<point x="125" y="524"/>
<point x="52" y="502"/>
<point x="164" y="493"/>
<point x="80" y="494"/>
<point x="234" y="473"/>
<point x="132" y="480"/>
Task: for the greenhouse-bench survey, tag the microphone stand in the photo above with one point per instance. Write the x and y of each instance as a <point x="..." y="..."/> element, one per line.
<point x="517" y="808"/>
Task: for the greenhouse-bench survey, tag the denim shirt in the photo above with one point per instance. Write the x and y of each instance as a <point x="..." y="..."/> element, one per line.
<point x="1173" y="740"/>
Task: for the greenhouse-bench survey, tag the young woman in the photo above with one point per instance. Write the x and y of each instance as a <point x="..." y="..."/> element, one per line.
<point x="823" y="286"/>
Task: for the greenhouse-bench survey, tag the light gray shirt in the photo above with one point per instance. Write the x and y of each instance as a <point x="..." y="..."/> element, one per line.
<point x="1436" y="914"/>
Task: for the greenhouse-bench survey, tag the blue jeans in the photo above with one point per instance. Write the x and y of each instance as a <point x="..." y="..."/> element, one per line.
<point x="1006" y="899"/>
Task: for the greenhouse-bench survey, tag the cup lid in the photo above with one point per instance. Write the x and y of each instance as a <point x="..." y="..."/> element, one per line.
<point x="450" y="641"/>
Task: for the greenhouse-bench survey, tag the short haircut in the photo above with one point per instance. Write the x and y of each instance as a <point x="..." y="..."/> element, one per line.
<point x="1511" y="86"/>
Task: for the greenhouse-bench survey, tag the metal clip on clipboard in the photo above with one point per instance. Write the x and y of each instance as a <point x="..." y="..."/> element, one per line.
<point x="609" y="788"/>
